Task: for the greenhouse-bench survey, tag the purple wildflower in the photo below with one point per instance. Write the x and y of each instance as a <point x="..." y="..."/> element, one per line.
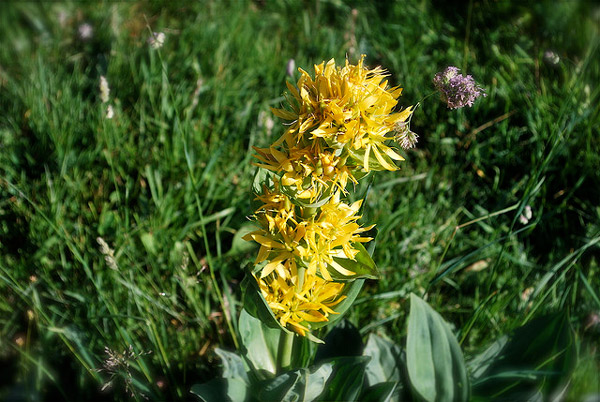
<point x="457" y="90"/>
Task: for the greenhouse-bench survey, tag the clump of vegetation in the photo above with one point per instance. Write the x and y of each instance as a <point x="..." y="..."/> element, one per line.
<point x="135" y="123"/>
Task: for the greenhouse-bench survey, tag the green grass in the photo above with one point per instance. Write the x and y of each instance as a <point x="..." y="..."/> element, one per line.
<point x="166" y="182"/>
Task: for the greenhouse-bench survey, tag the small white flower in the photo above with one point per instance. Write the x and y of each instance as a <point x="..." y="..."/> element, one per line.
<point x="85" y="31"/>
<point x="551" y="58"/>
<point x="110" y="113"/>
<point x="265" y="121"/>
<point x="291" y="67"/>
<point x="104" y="89"/>
<point x="526" y="215"/>
<point x="156" y="40"/>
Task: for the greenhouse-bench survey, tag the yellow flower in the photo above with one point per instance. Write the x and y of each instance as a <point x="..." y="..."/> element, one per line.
<point x="288" y="238"/>
<point x="310" y="171"/>
<point x="298" y="302"/>
<point x="339" y="122"/>
<point x="332" y="234"/>
<point x="349" y="108"/>
<point x="280" y="234"/>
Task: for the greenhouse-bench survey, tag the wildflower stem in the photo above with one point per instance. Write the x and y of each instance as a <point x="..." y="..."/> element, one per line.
<point x="284" y="354"/>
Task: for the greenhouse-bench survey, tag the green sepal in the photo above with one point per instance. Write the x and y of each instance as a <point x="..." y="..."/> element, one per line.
<point x="292" y="195"/>
<point x="363" y="266"/>
<point x="263" y="177"/>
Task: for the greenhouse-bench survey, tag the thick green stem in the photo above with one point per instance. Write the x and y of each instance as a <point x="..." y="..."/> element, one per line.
<point x="284" y="354"/>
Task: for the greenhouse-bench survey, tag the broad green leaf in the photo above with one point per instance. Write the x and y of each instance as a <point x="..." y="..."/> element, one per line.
<point x="480" y="363"/>
<point x="232" y="386"/>
<point x="233" y="365"/>
<point x="435" y="363"/>
<point x="336" y="379"/>
<point x="342" y="341"/>
<point x="537" y="360"/>
<point x="260" y="344"/>
<point x="222" y="389"/>
<point x="238" y="244"/>
<point x="305" y="384"/>
<point x="363" y="266"/>
<point x="316" y="380"/>
<point x="381" y="392"/>
<point x="282" y="388"/>
<point x="345" y="384"/>
<point x="386" y="361"/>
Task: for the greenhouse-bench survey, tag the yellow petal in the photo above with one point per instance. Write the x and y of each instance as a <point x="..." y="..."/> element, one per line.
<point x="341" y="269"/>
<point x="382" y="161"/>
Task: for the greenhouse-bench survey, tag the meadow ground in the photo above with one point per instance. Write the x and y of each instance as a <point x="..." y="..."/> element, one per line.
<point x="121" y="228"/>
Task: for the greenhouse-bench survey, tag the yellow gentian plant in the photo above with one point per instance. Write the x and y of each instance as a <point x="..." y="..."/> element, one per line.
<point x="340" y="126"/>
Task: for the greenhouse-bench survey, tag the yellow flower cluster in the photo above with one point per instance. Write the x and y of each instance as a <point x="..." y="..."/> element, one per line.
<point x="337" y="134"/>
<point x="296" y="304"/>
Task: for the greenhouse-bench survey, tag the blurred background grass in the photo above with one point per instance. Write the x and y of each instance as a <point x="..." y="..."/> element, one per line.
<point x="165" y="182"/>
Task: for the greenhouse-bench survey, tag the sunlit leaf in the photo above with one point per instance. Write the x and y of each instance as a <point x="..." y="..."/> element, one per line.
<point x="363" y="266"/>
<point x="260" y="344"/>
